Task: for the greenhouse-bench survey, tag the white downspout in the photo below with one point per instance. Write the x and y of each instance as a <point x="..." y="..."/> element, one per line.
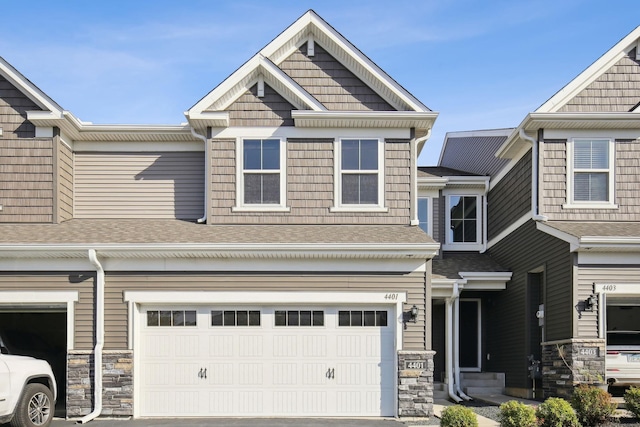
<point x="534" y="176"/>
<point x="456" y="352"/>
<point x="414" y="173"/>
<point x="97" y="352"/>
<point x="207" y="162"/>
<point x="449" y="344"/>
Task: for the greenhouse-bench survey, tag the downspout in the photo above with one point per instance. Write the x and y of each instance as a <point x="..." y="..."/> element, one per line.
<point x="534" y="176"/>
<point x="414" y="172"/>
<point x="485" y="218"/>
<point x="207" y="163"/>
<point x="97" y="352"/>
<point x="456" y="353"/>
<point x="449" y="344"/>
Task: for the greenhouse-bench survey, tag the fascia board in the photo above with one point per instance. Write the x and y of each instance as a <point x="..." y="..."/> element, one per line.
<point x="574" y="242"/>
<point x="468" y="180"/>
<point x="420" y="120"/>
<point x="592" y="72"/>
<point x="513" y="144"/>
<point x="432" y="183"/>
<point x="29" y="89"/>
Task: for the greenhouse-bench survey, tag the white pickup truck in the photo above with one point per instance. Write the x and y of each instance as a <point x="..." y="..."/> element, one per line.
<point x="27" y="391"/>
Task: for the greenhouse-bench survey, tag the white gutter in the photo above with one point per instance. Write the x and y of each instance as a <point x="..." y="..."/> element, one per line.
<point x="414" y="173"/>
<point x="485" y="216"/>
<point x="534" y="176"/>
<point x="456" y="353"/>
<point x="97" y="352"/>
<point x="449" y="344"/>
<point x="207" y="164"/>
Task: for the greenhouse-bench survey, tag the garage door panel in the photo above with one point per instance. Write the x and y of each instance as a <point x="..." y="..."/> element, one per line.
<point x="268" y="370"/>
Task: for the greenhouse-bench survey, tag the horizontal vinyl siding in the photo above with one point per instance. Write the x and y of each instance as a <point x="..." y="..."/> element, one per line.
<point x="330" y="82"/>
<point x="139" y="185"/>
<point x="627" y="184"/>
<point x="511" y="198"/>
<point x="616" y="90"/>
<point x="310" y="186"/>
<point x="26" y="180"/>
<point x="522" y="251"/>
<point x="600" y="274"/>
<point x="116" y="284"/>
<point x="81" y="282"/>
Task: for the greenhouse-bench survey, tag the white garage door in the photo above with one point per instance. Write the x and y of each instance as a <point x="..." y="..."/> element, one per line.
<point x="268" y="361"/>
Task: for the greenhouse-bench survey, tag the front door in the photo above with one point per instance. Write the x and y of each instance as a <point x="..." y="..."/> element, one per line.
<point x="469" y="335"/>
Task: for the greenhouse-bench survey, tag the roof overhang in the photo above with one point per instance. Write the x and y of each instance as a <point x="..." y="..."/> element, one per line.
<point x="574" y="121"/>
<point x="454" y="182"/>
<point x="471" y="281"/>
<point x="593" y="243"/>
<point x="78" y="130"/>
<point x="364" y="119"/>
<point x="218" y="251"/>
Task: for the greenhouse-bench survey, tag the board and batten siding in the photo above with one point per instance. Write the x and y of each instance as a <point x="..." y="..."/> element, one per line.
<point x="26" y="180"/>
<point x="330" y="82"/>
<point x="310" y="186"/>
<point x="523" y="251"/>
<point x="616" y="90"/>
<point x="510" y="199"/>
<point x="83" y="282"/>
<point x="553" y="193"/>
<point x="600" y="274"/>
<point x="167" y="185"/>
<point x="117" y="283"/>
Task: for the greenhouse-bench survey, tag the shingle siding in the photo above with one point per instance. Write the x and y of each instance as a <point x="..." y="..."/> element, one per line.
<point x="330" y="82"/>
<point x="510" y="199"/>
<point x="64" y="181"/>
<point x="521" y="252"/>
<point x="270" y="110"/>
<point x="310" y="186"/>
<point x="616" y="90"/>
<point x="627" y="184"/>
<point x="13" y="112"/>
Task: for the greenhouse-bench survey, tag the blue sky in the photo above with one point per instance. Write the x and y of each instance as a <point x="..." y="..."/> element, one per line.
<point x="480" y="64"/>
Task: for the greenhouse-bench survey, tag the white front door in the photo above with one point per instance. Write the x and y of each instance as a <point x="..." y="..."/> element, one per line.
<point x="267" y="361"/>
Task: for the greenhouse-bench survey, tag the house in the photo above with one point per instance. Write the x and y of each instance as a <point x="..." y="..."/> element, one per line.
<point x="562" y="217"/>
<point x="262" y="259"/>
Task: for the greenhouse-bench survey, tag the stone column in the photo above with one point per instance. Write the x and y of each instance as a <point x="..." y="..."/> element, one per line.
<point x="415" y="383"/>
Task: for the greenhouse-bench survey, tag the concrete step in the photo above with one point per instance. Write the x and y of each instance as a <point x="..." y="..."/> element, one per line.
<point x="482" y="383"/>
<point x="473" y="391"/>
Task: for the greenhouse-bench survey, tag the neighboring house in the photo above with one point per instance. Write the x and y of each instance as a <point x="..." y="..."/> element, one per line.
<point x="563" y="216"/>
<point x="263" y="259"/>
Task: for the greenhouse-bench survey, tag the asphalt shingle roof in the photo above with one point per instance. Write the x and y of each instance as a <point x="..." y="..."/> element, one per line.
<point x="597" y="229"/>
<point x="451" y="263"/>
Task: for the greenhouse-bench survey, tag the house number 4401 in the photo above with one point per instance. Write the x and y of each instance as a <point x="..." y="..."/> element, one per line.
<point x="393" y="297"/>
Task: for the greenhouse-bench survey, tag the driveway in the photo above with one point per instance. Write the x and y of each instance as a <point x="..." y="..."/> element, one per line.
<point x="238" y="422"/>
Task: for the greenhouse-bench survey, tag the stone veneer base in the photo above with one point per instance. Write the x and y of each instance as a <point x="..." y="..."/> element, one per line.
<point x="415" y="386"/>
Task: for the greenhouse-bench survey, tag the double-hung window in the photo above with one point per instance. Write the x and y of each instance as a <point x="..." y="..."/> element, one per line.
<point x="424" y="214"/>
<point x="261" y="178"/>
<point x="360" y="178"/>
<point x="590" y="180"/>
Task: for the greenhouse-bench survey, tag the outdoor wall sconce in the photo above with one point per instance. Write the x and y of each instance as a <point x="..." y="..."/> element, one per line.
<point x="590" y="302"/>
<point x="413" y="314"/>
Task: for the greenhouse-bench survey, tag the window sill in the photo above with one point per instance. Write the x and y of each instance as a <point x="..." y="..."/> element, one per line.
<point x="589" y="206"/>
<point x="358" y="208"/>
<point x="261" y="208"/>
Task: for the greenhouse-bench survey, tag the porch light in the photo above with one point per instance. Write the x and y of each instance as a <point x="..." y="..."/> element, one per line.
<point x="414" y="314"/>
<point x="590" y="302"/>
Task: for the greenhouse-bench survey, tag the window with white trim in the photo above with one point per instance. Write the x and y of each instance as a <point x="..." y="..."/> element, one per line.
<point x="464" y="222"/>
<point x="261" y="177"/>
<point x="424" y="214"/>
<point x="360" y="177"/>
<point x="590" y="177"/>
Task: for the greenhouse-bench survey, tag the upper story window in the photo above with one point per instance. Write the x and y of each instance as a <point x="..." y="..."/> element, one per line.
<point x="590" y="176"/>
<point x="359" y="175"/>
<point x="424" y="214"/>
<point x="464" y="222"/>
<point x="261" y="179"/>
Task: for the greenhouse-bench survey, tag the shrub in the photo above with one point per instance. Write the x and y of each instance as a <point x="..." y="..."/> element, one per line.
<point x="632" y="400"/>
<point x="593" y="405"/>
<point x="458" y="416"/>
<point x="516" y="414"/>
<point x="556" y="412"/>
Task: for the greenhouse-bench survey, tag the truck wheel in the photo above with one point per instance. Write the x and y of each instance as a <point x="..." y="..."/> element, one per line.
<point x="35" y="408"/>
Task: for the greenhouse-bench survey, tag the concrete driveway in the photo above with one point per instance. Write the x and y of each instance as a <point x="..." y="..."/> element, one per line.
<point x="237" y="422"/>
